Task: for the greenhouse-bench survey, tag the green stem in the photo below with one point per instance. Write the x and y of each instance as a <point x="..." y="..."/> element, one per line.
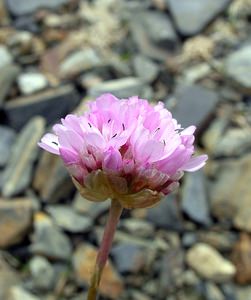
<point x="110" y="228"/>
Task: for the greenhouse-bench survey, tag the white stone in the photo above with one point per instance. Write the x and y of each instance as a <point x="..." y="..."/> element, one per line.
<point x="31" y="82"/>
<point x="209" y="263"/>
<point x="18" y="293"/>
<point x="5" y="57"/>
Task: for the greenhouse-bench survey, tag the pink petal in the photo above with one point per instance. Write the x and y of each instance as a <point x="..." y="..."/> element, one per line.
<point x="94" y="139"/>
<point x="68" y="156"/>
<point x="49" y="142"/>
<point x="112" y="160"/>
<point x="195" y="163"/>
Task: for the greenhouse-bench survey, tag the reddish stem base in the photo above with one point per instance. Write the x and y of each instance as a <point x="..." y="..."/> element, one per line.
<point x="110" y="228"/>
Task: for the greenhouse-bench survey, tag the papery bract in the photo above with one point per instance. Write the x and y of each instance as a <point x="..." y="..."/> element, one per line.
<point x="125" y="149"/>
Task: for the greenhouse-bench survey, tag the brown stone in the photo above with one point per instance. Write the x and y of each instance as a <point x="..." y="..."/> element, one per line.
<point x="84" y="260"/>
<point x="58" y="184"/>
<point x="241" y="257"/>
<point x="15" y="220"/>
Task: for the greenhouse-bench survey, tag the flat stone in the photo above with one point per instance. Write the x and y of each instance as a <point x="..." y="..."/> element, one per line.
<point x="194" y="198"/>
<point x="5" y="57"/>
<point x="226" y="202"/>
<point x="51" y="104"/>
<point x="7" y="139"/>
<point x="122" y="88"/>
<point x="143" y="42"/>
<point x="8" y="75"/>
<point x="23" y="7"/>
<point x="78" y="62"/>
<point x="166" y="214"/>
<point x="238" y="67"/>
<point x="68" y="219"/>
<point x="42" y="273"/>
<point x="195" y="104"/>
<point x="48" y="239"/>
<point x="145" y="68"/>
<point x="18" y="173"/>
<point x="8" y="278"/>
<point x="209" y="263"/>
<point x="243" y="293"/>
<point x="18" y="293"/>
<point x="213" y="292"/>
<point x="138" y="227"/>
<point x="60" y="184"/>
<point x="158" y="27"/>
<point x="172" y="268"/>
<point x="234" y="142"/>
<point x="30" y="83"/>
<point x="89" y="208"/>
<point x="129" y="258"/>
<point x="213" y="135"/>
<point x="191" y="16"/>
<point x="15" y="220"/>
<point x="220" y="240"/>
<point x="111" y="284"/>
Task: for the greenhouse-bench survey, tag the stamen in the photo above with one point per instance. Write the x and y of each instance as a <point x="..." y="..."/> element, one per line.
<point x="55" y="143"/>
<point x="164" y="142"/>
<point x="90" y="125"/>
<point x="109" y="121"/>
<point x="114" y="135"/>
<point x="123" y="125"/>
<point x="157" y="129"/>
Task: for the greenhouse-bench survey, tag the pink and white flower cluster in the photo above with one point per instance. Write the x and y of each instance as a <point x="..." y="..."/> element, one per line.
<point x="125" y="138"/>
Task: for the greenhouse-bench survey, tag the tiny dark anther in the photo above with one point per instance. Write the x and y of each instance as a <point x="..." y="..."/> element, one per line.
<point x="90" y="125"/>
<point x="55" y="143"/>
<point x="114" y="135"/>
<point x="123" y="125"/>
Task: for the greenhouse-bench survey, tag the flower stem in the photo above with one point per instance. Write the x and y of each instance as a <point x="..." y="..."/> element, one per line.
<point x="110" y="228"/>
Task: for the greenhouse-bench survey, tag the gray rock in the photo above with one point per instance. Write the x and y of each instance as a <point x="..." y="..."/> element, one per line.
<point x="166" y="214"/>
<point x="5" y="57"/>
<point x="23" y="7"/>
<point x="15" y="220"/>
<point x="8" y="278"/>
<point x="42" y="273"/>
<point x="191" y="16"/>
<point x="209" y="263"/>
<point x="145" y="68"/>
<point x="122" y="88"/>
<point x="18" y="173"/>
<point x="7" y="139"/>
<point x="158" y="27"/>
<point x="233" y="181"/>
<point x="30" y="83"/>
<point x="129" y="258"/>
<point x="172" y="268"/>
<point x="49" y="241"/>
<point x="194" y="198"/>
<point x="8" y="75"/>
<point x="194" y="105"/>
<point x="51" y="104"/>
<point x="238" y="67"/>
<point x="18" y="293"/>
<point x="143" y="42"/>
<point x="78" y="62"/>
<point x="68" y="219"/>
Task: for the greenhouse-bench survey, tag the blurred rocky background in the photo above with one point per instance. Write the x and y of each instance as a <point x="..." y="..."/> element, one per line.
<point x="195" y="56"/>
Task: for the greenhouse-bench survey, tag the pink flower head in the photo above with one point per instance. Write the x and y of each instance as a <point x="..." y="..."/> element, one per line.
<point x="125" y="149"/>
